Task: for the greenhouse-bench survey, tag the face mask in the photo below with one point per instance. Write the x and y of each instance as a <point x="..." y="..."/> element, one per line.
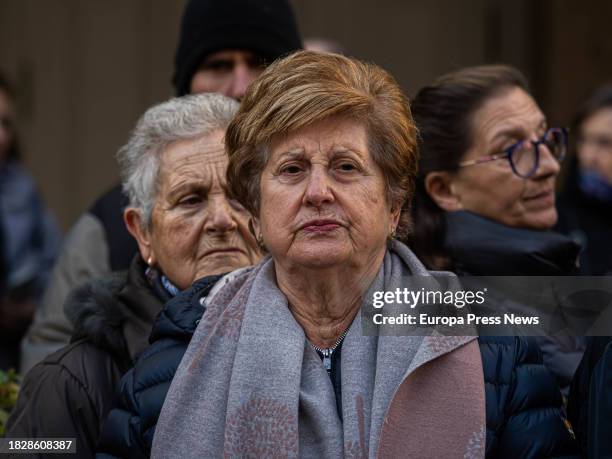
<point x="595" y="185"/>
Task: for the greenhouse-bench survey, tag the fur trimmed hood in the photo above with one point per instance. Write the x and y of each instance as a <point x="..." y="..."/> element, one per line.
<point x="96" y="313"/>
<point x="115" y="313"/>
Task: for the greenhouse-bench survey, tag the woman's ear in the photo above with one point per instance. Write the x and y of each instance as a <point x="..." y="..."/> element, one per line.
<point x="135" y="225"/>
<point x="254" y="227"/>
<point x="440" y="188"/>
<point x="255" y="230"/>
<point x="396" y="211"/>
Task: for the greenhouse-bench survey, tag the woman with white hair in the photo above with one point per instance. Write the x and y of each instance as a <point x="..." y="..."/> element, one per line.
<point x="187" y="229"/>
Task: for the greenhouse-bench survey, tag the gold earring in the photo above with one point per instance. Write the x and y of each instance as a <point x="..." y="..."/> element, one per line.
<point x="392" y="234"/>
<point x="260" y="242"/>
<point x="150" y="261"/>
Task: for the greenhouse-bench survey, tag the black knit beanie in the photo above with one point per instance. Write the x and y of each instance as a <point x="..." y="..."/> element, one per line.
<point x="265" y="27"/>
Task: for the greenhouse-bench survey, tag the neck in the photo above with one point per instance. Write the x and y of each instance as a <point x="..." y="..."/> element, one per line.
<point x="325" y="301"/>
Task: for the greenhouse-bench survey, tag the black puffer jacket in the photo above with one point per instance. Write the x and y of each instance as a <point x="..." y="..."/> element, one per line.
<point x="70" y="392"/>
<point x="129" y="429"/>
<point x="524" y="418"/>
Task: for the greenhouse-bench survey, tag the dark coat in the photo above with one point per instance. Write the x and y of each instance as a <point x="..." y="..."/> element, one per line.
<point x="482" y="247"/>
<point x="129" y="429"/>
<point x="590" y="401"/>
<point x="524" y="417"/>
<point x="70" y="392"/>
<point x="588" y="221"/>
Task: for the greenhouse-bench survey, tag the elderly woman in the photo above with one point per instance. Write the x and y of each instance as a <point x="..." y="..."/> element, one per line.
<point x="173" y="169"/>
<point x="489" y="163"/>
<point x="485" y="202"/>
<point x="323" y="154"/>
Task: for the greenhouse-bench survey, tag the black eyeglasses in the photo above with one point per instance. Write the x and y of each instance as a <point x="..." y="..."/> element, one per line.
<point x="524" y="156"/>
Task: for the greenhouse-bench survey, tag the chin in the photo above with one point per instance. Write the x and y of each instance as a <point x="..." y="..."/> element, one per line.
<point x="320" y="259"/>
<point x="223" y="265"/>
<point x="544" y="221"/>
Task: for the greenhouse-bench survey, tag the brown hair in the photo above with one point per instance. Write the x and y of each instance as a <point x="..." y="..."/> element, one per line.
<point x="307" y="87"/>
<point x="444" y="113"/>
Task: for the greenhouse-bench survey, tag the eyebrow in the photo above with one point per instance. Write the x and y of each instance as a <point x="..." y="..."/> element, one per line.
<point x="339" y="149"/>
<point x="517" y="131"/>
<point x="188" y="185"/>
<point x="291" y="154"/>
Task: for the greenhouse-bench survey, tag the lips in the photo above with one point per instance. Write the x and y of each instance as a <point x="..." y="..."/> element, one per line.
<point x="320" y="225"/>
<point x="545" y="198"/>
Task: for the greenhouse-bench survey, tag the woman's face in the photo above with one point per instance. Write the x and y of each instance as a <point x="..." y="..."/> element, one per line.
<point x="323" y="201"/>
<point x="6" y="124"/>
<point x="196" y="230"/>
<point x="491" y="189"/>
<point x="595" y="143"/>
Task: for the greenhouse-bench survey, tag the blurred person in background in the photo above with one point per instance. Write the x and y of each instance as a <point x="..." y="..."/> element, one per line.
<point x="29" y="237"/>
<point x="187" y="229"/>
<point x="585" y="202"/>
<point x="585" y="214"/>
<point x="484" y="205"/>
<point x="223" y="46"/>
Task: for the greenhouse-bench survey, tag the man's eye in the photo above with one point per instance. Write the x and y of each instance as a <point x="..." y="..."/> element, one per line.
<point x="220" y="65"/>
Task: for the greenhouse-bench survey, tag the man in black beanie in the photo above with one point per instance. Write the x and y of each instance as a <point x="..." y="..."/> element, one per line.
<point x="223" y="46"/>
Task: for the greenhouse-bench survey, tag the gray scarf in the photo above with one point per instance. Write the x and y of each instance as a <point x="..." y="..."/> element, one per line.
<point x="250" y="384"/>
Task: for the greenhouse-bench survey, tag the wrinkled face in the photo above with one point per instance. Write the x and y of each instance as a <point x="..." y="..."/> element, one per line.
<point x="323" y="200"/>
<point x="196" y="230"/>
<point x="491" y="189"/>
<point x="6" y="124"/>
<point x="595" y="143"/>
<point x="228" y="72"/>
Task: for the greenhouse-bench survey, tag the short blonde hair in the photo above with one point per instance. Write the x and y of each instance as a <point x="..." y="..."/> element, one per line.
<point x="307" y="87"/>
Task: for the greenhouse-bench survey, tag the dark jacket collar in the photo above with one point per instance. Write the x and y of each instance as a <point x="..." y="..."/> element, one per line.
<point x="181" y="314"/>
<point x="479" y="246"/>
<point x="143" y="303"/>
<point x="115" y="313"/>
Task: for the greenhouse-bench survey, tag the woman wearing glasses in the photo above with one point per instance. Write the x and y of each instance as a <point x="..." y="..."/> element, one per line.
<point x="484" y="203"/>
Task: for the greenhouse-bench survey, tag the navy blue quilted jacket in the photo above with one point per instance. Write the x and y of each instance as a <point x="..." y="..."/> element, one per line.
<point x="590" y="401"/>
<point x="523" y="403"/>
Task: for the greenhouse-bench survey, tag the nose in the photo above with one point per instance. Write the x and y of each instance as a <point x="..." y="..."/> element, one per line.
<point x="220" y="218"/>
<point x="549" y="165"/>
<point x="318" y="191"/>
<point x="242" y="77"/>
